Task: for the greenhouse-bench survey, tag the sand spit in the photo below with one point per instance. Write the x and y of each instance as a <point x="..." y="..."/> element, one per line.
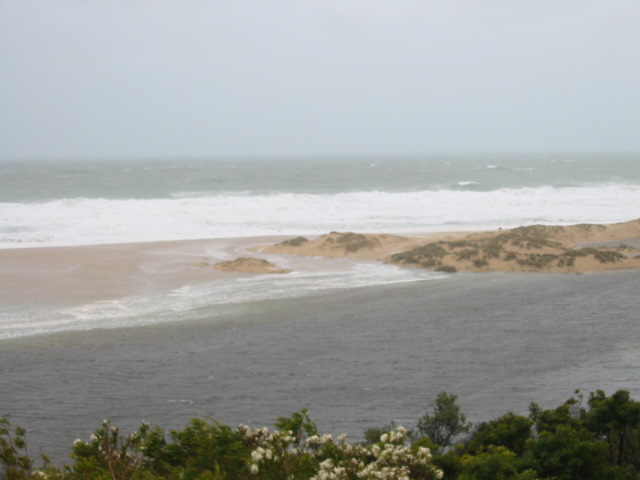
<point x="537" y="248"/>
<point x="84" y="274"/>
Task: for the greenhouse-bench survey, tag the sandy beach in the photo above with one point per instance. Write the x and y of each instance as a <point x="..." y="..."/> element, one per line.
<point x="93" y="273"/>
<point x="103" y="272"/>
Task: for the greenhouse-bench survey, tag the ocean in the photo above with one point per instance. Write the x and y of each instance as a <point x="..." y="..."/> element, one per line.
<point x="93" y="202"/>
<point x="358" y="343"/>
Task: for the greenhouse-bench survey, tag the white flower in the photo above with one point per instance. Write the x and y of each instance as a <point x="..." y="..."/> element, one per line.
<point x="384" y="438"/>
<point x="243" y="430"/>
<point x="312" y="439"/>
<point x="424" y="452"/>
<point x="254" y="468"/>
<point x="256" y="455"/>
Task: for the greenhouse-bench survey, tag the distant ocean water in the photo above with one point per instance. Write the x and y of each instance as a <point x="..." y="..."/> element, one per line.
<point x="84" y="202"/>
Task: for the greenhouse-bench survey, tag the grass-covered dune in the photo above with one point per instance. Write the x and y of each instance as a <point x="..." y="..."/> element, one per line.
<point x="534" y="248"/>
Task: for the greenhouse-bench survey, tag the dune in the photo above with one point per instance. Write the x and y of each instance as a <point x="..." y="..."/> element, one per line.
<point x="337" y="244"/>
<point x="569" y="249"/>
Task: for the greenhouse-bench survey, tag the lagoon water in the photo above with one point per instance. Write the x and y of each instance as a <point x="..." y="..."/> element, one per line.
<point x="356" y="357"/>
<point x="359" y="345"/>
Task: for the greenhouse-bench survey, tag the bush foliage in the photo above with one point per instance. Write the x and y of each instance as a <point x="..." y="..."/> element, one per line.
<point x="596" y="439"/>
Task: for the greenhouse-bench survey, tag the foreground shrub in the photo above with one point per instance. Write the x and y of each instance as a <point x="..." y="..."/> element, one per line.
<point x="15" y="462"/>
<point x="599" y="440"/>
<point x="207" y="450"/>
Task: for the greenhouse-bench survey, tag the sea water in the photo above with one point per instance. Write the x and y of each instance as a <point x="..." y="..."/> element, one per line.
<point x="84" y="202"/>
<point x="359" y="344"/>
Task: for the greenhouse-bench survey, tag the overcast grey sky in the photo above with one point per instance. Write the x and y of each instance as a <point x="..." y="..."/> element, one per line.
<point x="128" y="78"/>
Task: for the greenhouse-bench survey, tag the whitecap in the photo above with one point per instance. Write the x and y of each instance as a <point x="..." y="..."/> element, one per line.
<point x="86" y="221"/>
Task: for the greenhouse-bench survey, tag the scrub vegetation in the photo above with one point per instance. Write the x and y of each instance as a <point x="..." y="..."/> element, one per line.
<point x="348" y="241"/>
<point x="534" y="248"/>
<point x="294" y="242"/>
<point x="352" y="242"/>
<point x="582" y="439"/>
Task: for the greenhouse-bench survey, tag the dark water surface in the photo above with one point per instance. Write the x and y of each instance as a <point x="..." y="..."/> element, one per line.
<point x="356" y="358"/>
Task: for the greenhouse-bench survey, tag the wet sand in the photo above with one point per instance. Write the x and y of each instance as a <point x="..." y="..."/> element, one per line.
<point x="103" y="272"/>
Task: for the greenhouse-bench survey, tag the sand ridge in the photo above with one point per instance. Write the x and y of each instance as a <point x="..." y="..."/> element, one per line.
<point x="569" y="249"/>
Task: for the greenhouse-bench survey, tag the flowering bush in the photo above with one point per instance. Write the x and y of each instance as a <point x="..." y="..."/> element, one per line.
<point x="321" y="457"/>
<point x="210" y="451"/>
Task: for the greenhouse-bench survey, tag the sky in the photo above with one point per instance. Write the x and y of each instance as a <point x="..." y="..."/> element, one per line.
<point x="194" y="78"/>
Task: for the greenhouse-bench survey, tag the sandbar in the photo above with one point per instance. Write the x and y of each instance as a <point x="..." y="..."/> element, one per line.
<point x="83" y="274"/>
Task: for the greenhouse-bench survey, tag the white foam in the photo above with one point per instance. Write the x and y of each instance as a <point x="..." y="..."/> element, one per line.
<point x="87" y="221"/>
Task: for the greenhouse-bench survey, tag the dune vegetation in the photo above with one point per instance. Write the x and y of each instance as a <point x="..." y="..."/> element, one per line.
<point x="534" y="248"/>
<point x="531" y="248"/>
